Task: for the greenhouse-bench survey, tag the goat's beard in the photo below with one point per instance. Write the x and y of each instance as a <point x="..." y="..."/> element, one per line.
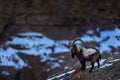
<point x="73" y="55"/>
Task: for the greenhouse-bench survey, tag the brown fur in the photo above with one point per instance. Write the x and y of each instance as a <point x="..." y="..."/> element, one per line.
<point x="92" y="58"/>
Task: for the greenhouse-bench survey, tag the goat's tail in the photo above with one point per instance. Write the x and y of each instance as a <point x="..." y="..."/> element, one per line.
<point x="99" y="54"/>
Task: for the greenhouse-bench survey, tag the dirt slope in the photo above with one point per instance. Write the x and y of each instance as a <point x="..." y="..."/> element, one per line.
<point x="107" y="73"/>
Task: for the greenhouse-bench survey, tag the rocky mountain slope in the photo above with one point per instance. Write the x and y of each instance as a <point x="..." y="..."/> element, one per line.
<point x="41" y="57"/>
<point x="34" y="35"/>
<point x="109" y="70"/>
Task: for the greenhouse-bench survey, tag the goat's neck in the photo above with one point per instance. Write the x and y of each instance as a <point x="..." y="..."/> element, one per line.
<point x="79" y="48"/>
<point x="80" y="54"/>
<point x="84" y="49"/>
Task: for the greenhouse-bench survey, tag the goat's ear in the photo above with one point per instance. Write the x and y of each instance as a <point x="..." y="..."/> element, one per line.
<point x="69" y="44"/>
<point x="66" y="45"/>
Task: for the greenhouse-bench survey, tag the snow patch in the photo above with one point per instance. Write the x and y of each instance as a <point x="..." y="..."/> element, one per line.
<point x="39" y="45"/>
<point x="115" y="60"/>
<point x="6" y="73"/>
<point x="106" y="39"/>
<point x="106" y="65"/>
<point x="9" y="58"/>
<point x="63" y="74"/>
<point x="36" y="44"/>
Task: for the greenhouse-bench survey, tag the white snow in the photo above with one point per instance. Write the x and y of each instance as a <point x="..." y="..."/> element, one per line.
<point x="90" y="32"/>
<point x="30" y="34"/>
<point x="115" y="60"/>
<point x="56" y="65"/>
<point x="9" y="58"/>
<point x="102" y="63"/>
<point x="107" y="38"/>
<point x="61" y="61"/>
<point x="66" y="67"/>
<point x="110" y="63"/>
<point x="58" y="49"/>
<point x="106" y="65"/>
<point x="63" y="74"/>
<point x="6" y="73"/>
<point x="38" y="44"/>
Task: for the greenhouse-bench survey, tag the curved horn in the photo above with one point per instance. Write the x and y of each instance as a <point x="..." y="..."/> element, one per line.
<point x="77" y="40"/>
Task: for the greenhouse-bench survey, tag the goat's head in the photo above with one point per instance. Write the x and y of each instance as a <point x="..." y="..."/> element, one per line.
<point x="73" y="47"/>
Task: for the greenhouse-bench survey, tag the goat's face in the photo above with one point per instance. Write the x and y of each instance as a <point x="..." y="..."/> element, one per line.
<point x="73" y="50"/>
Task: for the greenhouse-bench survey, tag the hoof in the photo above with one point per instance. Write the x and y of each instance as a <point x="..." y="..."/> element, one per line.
<point x="90" y="71"/>
<point x="82" y="68"/>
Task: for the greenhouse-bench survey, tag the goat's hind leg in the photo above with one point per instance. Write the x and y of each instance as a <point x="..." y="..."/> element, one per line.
<point x="91" y="67"/>
<point x="98" y="63"/>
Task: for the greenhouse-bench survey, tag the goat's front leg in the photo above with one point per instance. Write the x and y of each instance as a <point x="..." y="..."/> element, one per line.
<point x="83" y="64"/>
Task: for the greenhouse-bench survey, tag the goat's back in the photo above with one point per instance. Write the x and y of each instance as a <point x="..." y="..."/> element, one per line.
<point x="89" y="51"/>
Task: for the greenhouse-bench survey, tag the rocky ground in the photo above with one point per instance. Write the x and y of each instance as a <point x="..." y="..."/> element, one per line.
<point x="109" y="72"/>
<point x="57" y="20"/>
<point x="60" y="63"/>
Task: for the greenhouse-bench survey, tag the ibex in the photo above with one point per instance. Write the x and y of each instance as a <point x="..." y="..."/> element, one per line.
<point x="84" y="54"/>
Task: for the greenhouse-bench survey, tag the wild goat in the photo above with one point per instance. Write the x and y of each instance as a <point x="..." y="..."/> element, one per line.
<point x="84" y="54"/>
